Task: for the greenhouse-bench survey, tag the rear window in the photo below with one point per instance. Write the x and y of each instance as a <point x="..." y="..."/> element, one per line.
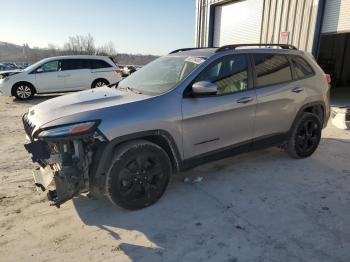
<point x="271" y="69"/>
<point x="97" y="64"/>
<point x="301" y="68"/>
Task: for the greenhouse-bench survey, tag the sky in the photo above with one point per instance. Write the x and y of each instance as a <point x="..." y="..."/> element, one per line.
<point x="134" y="26"/>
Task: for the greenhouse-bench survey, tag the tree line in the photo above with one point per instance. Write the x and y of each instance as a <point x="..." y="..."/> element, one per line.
<point x="75" y="45"/>
<point x="83" y="45"/>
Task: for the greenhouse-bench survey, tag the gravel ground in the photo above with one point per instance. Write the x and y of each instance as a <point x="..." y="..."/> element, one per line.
<point x="262" y="206"/>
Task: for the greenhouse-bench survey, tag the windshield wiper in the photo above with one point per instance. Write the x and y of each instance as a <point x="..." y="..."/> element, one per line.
<point x="114" y="84"/>
<point x="133" y="90"/>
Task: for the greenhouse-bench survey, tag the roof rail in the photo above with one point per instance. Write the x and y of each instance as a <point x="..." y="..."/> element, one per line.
<point x="186" y="49"/>
<point x="233" y="47"/>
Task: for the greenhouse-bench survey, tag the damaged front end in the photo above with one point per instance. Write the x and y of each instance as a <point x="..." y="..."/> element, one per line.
<point x="64" y="154"/>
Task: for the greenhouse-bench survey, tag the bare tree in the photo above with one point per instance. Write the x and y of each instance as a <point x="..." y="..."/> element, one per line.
<point x="80" y="45"/>
<point x="106" y="49"/>
<point x="53" y="50"/>
<point x="75" y="45"/>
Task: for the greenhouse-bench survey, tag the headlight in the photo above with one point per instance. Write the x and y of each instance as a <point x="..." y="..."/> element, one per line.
<point x="4" y="77"/>
<point x="69" y="130"/>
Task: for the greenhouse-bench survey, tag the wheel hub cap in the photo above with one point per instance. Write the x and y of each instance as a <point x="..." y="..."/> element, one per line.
<point x="142" y="178"/>
<point x="24" y="91"/>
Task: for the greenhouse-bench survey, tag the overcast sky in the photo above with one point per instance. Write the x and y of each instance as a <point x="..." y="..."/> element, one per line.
<point x="134" y="26"/>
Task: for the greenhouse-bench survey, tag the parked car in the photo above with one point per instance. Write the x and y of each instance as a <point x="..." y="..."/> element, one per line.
<point x="128" y="70"/>
<point x="187" y="108"/>
<point x="138" y="67"/>
<point x="132" y="69"/>
<point x="59" y="74"/>
<point x="125" y="71"/>
<point x="22" y="65"/>
<point x="6" y="67"/>
<point x="12" y="66"/>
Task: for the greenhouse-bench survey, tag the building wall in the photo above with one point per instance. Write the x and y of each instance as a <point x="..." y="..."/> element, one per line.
<point x="336" y="16"/>
<point x="298" y="17"/>
<point x="203" y="21"/>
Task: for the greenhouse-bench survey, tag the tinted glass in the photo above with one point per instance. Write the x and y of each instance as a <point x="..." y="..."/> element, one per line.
<point x="75" y="64"/>
<point x="301" y="67"/>
<point x="230" y="74"/>
<point x="271" y="69"/>
<point x="51" y="66"/>
<point x="96" y="64"/>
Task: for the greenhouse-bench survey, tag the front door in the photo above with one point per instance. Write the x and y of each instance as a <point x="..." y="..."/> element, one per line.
<point x="49" y="78"/>
<point x="217" y="122"/>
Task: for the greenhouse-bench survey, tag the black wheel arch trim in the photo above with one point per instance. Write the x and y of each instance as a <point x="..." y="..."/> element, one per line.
<point x="105" y="156"/>
<point x="326" y="113"/>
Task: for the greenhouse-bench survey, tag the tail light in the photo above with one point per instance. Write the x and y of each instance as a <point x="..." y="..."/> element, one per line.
<point x="118" y="71"/>
<point x="328" y="78"/>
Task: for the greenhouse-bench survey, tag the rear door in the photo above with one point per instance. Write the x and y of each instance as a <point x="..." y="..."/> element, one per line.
<point x="76" y="73"/>
<point x="279" y="97"/>
<point x="217" y="122"/>
<point x="102" y="69"/>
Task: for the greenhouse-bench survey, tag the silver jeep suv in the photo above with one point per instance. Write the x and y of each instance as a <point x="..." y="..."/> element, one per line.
<point x="124" y="141"/>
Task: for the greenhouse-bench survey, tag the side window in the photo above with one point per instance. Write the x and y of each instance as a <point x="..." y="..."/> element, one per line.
<point x="230" y="74"/>
<point x="96" y="64"/>
<point x="51" y="66"/>
<point x="271" y="69"/>
<point x="75" y="64"/>
<point x="301" y="68"/>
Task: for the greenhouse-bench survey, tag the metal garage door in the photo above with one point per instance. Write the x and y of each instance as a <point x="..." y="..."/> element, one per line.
<point x="238" y="22"/>
<point x="336" y="16"/>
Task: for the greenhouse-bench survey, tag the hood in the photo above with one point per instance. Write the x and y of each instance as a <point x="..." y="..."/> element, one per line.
<point x="10" y="72"/>
<point x="79" y="102"/>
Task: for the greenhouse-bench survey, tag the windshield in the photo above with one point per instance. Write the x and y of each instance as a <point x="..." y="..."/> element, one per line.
<point x="33" y="66"/>
<point x="161" y="75"/>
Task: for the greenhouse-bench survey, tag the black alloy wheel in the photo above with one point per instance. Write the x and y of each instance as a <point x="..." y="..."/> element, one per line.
<point x="305" y="137"/>
<point x="139" y="175"/>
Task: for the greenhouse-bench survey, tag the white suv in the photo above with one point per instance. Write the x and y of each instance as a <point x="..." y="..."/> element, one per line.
<point x="60" y="74"/>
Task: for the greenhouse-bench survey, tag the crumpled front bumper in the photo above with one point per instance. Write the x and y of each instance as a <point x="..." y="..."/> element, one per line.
<point x="61" y="178"/>
<point x="43" y="177"/>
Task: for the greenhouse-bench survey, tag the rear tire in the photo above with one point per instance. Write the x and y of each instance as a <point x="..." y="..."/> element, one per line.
<point x="138" y="175"/>
<point x="99" y="83"/>
<point x="305" y="136"/>
<point x="23" y="91"/>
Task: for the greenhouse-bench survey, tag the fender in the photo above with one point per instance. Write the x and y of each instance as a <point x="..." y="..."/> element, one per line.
<point x="326" y="113"/>
<point x="105" y="153"/>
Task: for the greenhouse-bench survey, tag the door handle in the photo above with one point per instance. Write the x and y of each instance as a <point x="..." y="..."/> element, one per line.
<point x="244" y="100"/>
<point x="297" y="89"/>
<point x="63" y="76"/>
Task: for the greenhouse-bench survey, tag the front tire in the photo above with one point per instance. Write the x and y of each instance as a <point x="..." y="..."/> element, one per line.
<point x="23" y="91"/>
<point x="138" y="175"/>
<point x="305" y="137"/>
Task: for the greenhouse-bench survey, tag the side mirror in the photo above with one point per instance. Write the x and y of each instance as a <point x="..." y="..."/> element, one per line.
<point x="39" y="70"/>
<point x="204" y="88"/>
